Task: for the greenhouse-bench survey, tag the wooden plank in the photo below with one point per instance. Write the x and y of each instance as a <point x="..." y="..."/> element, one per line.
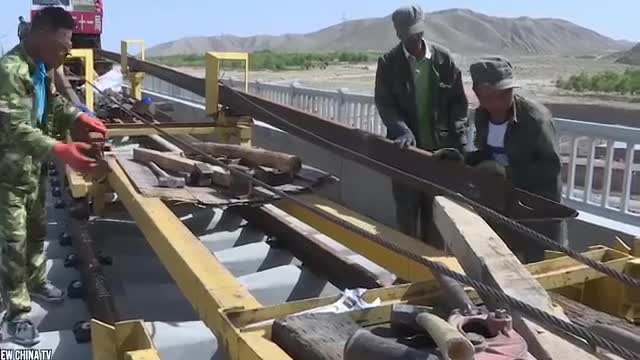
<point x="171" y="162"/>
<point x="315" y="249"/>
<point x="586" y="316"/>
<point x="253" y="157"/>
<point x="314" y="336"/>
<point x="485" y="257"/>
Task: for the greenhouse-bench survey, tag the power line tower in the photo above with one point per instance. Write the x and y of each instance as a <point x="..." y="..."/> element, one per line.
<point x="343" y="25"/>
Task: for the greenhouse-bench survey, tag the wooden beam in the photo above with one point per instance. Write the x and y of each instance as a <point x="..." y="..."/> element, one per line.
<point x="253" y="157"/>
<point x="485" y="257"/>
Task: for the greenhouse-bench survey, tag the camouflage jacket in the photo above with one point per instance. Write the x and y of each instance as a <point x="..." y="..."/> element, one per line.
<point x="23" y="143"/>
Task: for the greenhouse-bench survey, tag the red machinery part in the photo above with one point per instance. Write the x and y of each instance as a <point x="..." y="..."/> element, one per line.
<point x="492" y="336"/>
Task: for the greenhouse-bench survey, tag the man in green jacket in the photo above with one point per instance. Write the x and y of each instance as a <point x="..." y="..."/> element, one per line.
<point x="421" y="101"/>
<point x="26" y="105"/>
<point x="516" y="138"/>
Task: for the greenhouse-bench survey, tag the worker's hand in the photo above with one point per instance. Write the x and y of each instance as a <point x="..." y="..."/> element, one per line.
<point x="406" y="140"/>
<point x="72" y="155"/>
<point x="92" y="124"/>
<point x="492" y="167"/>
<point x="449" y="154"/>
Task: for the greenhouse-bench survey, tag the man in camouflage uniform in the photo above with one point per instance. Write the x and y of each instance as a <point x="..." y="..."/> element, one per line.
<point x="26" y="104"/>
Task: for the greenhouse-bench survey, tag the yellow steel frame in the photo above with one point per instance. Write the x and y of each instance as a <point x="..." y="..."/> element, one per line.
<point x="86" y="55"/>
<point x="243" y="324"/>
<point x="213" y="60"/>
<point x="203" y="280"/>
<point x="239" y="131"/>
<point x="123" y="341"/>
<point x="135" y="78"/>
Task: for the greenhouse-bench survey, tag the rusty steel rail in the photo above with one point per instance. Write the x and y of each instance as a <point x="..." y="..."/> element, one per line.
<point x="95" y="287"/>
<point x="374" y="151"/>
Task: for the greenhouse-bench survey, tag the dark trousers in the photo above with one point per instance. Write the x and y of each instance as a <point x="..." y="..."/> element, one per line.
<point x="528" y="250"/>
<point x="414" y="214"/>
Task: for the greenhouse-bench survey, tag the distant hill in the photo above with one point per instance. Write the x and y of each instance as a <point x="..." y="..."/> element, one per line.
<point x="631" y="57"/>
<point x="462" y="31"/>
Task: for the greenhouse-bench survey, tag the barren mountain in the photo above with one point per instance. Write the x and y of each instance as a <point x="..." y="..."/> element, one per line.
<point x="462" y="31"/>
<point x="631" y="57"/>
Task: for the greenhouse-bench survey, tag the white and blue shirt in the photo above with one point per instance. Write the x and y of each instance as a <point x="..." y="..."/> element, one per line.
<point x="495" y="143"/>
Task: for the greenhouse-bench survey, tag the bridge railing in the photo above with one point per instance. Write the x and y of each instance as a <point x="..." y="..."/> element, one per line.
<point x="599" y="173"/>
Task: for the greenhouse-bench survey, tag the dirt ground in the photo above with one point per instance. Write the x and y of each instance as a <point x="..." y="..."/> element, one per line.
<point x="535" y="74"/>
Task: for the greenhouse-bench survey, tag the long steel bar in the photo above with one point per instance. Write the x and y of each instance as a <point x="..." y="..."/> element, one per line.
<point x="488" y="190"/>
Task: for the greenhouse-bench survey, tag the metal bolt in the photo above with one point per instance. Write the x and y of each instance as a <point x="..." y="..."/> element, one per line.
<point x="64" y="239"/>
<point x="75" y="289"/>
<point x="72" y="260"/>
<point x="82" y="332"/>
<point x="501" y="313"/>
<point x="59" y="204"/>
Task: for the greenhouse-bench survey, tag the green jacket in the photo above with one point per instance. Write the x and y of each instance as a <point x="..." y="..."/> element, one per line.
<point x="23" y="144"/>
<point x="530" y="144"/>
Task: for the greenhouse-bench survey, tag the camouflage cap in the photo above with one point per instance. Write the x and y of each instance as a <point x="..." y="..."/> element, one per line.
<point x="494" y="71"/>
<point x="407" y="21"/>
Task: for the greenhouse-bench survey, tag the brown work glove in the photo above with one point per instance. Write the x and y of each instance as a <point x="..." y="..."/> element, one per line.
<point x="449" y="154"/>
<point x="492" y="167"/>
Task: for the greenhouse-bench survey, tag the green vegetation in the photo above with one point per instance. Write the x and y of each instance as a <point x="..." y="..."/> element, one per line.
<point x="267" y="60"/>
<point x="627" y="82"/>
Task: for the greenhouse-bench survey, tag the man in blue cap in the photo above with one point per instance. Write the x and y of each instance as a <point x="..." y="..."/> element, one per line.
<point x="516" y="138"/>
<point x="421" y="101"/>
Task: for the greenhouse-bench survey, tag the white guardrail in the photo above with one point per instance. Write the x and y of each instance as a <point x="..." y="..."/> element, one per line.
<point x="600" y="175"/>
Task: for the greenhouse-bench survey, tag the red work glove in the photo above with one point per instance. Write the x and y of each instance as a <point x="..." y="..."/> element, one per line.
<point x="92" y="124"/>
<point x="71" y="154"/>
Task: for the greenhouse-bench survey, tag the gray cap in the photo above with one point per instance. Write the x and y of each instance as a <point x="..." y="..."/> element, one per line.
<point x="408" y="21"/>
<point x="494" y="71"/>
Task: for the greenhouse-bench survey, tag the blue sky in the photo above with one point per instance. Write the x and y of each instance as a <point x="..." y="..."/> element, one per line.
<point x="157" y="21"/>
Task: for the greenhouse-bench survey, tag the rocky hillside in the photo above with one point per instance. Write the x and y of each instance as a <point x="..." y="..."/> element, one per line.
<point x="631" y="57"/>
<point x="462" y="31"/>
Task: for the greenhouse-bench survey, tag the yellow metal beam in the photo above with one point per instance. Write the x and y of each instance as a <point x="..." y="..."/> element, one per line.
<point x="78" y="185"/>
<point x="213" y="60"/>
<point x="136" y="79"/>
<point x="124" y="54"/>
<point x="200" y="276"/>
<point x="239" y="131"/>
<point x="86" y="55"/>
<point x="406" y="269"/>
<point x="124" y="340"/>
